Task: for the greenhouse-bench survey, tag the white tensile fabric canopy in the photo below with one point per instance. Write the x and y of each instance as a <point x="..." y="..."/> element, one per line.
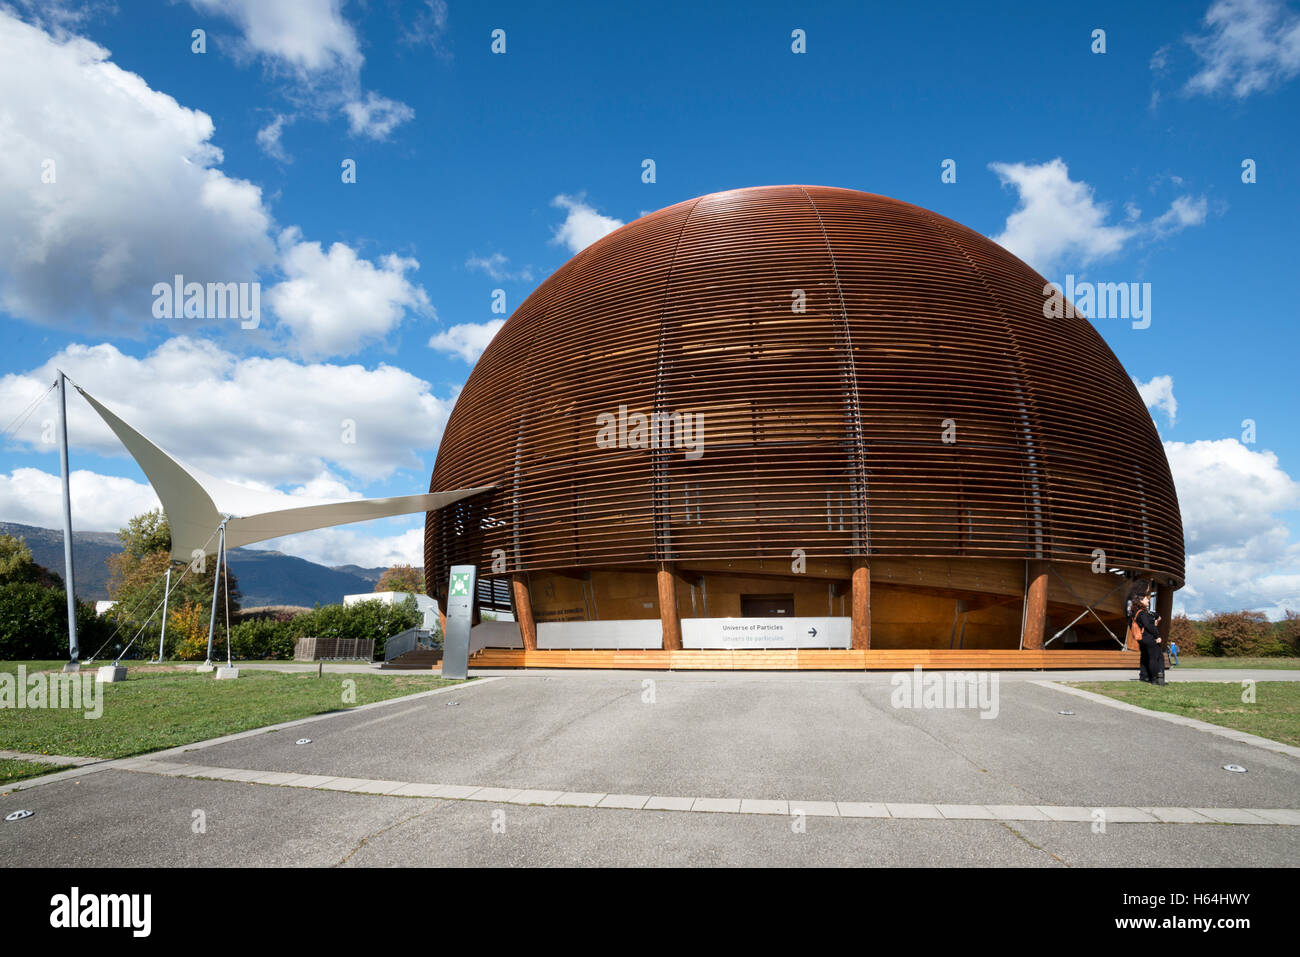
<point x="195" y="503"/>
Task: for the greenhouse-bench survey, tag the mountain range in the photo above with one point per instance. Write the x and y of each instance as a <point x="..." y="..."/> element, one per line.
<point x="265" y="577"/>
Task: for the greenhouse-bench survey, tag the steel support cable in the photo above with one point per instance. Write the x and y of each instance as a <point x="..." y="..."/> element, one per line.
<point x="27" y="412"/>
<point x="136" y="607"/>
<point x="150" y="618"/>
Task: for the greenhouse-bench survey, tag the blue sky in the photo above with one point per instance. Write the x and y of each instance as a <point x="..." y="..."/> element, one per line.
<point x="478" y="171"/>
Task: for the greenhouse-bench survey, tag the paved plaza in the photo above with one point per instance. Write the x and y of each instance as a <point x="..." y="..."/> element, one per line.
<point x="687" y="768"/>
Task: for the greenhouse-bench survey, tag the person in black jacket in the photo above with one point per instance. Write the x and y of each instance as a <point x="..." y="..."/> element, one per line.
<point x="1150" y="645"/>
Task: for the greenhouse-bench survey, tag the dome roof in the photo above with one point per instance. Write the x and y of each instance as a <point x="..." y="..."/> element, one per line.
<point x="859" y="376"/>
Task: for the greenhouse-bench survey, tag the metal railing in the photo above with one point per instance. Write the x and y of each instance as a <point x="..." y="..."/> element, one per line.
<point x="403" y="642"/>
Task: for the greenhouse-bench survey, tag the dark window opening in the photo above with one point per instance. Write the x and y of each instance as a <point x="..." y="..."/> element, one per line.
<point x="766" y="606"/>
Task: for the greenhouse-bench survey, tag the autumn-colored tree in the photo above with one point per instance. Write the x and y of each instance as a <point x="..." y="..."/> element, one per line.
<point x="188" y="625"/>
<point x="1183" y="633"/>
<point x="402" y="578"/>
<point x="1237" y="633"/>
<point x="1288" y="632"/>
<point x="136" y="577"/>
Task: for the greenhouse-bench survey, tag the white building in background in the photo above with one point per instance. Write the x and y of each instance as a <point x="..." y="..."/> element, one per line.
<point x="427" y="606"/>
<point x="102" y="606"/>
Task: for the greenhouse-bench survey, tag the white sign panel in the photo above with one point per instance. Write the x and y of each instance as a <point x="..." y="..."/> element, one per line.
<point x="578" y="635"/>
<point x="765" y="632"/>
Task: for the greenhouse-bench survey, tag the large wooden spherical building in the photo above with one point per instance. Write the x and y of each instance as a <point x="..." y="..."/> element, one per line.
<point x="799" y="417"/>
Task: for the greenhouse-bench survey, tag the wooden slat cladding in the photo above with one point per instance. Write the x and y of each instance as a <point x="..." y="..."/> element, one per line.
<point x="823" y="425"/>
<point x="806" y="659"/>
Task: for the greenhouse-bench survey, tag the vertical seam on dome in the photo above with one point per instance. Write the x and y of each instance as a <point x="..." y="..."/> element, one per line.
<point x="659" y="492"/>
<point x="860" y="445"/>
<point x="1025" y="398"/>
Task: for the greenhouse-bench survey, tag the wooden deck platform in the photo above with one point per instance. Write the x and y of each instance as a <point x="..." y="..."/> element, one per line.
<point x="806" y="659"/>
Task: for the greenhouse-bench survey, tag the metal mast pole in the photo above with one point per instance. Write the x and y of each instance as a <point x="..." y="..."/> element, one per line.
<point x="167" y="588"/>
<point x="74" y="650"/>
<point x="216" y="587"/>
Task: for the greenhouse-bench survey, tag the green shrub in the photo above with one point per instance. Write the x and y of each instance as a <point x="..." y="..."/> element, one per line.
<point x="261" y="638"/>
<point x="364" y="620"/>
<point x="34" y="624"/>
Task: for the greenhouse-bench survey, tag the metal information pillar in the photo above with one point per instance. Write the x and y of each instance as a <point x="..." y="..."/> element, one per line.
<point x="460" y="613"/>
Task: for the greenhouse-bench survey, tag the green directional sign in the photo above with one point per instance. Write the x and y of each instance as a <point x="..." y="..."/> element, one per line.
<point x="460" y="618"/>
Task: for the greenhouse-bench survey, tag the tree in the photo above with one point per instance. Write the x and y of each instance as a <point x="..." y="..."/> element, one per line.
<point x="1237" y="633"/>
<point x="1184" y="633"/>
<point x="34" y="623"/>
<point x="136" y="577"/>
<point x="187" y="631"/>
<point x="402" y="578"/>
<point x="1288" y="632"/>
<point x="146" y="533"/>
<point x="17" y="564"/>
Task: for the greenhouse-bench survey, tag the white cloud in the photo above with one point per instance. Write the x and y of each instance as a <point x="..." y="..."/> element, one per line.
<point x="495" y="266"/>
<point x="135" y="199"/>
<point x="376" y="116"/>
<point x="1239" y="551"/>
<point x="1056" y="216"/>
<point x="100" y="503"/>
<point x="346" y="545"/>
<point x="1182" y="212"/>
<point x="467" y="340"/>
<point x="1248" y="46"/>
<point x="427" y="26"/>
<point x="1227" y="491"/>
<point x="334" y="302"/>
<point x="1158" y="393"/>
<point x="268" y="138"/>
<point x="1058" y="219"/>
<point x="314" y="43"/>
<point x="583" y="225"/>
<point x="256" y="420"/>
<point x="308" y="35"/>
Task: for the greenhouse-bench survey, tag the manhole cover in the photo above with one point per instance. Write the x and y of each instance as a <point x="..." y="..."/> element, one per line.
<point x="303" y="741"/>
<point x="1234" y="768"/>
<point x="18" y="815"/>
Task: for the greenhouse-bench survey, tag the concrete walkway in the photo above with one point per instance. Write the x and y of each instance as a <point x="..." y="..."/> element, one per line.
<point x="564" y="768"/>
<point x="1285" y="817"/>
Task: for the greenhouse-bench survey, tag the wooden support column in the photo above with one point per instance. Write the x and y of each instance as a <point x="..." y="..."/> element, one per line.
<point x="524" y="611"/>
<point x="1031" y="639"/>
<point x="672" y="625"/>
<point x="860" y="635"/>
<point x="1165" y="609"/>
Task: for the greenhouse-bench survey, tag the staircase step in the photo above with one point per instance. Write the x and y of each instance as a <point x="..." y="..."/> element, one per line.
<point x="419" y="660"/>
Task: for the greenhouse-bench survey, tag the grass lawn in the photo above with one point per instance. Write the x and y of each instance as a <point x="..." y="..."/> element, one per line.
<point x="1275" y="714"/>
<point x="12" y="769"/>
<point x="152" y="710"/>
<point x="1275" y="663"/>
